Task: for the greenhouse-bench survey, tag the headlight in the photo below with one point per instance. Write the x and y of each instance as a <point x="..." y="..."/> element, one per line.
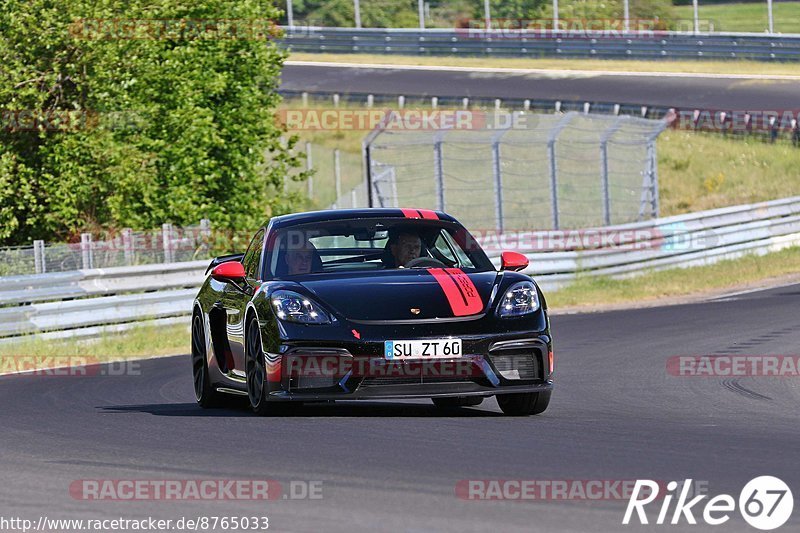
<point x="520" y="299"/>
<point x="294" y="307"/>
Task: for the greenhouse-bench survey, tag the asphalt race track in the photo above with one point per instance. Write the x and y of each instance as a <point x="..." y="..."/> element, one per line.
<point x="664" y="91"/>
<point x="616" y="415"/>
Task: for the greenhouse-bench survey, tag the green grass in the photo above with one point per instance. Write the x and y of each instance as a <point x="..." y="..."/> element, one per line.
<point x="694" y="66"/>
<point x="699" y="171"/>
<point x="751" y="17"/>
<point x="654" y="286"/>
<point x="138" y="343"/>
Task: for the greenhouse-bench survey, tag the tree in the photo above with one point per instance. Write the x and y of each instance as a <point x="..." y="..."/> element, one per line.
<point x="137" y="112"/>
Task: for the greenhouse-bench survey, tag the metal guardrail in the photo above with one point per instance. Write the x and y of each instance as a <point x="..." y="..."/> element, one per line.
<point x="679" y="241"/>
<point x="524" y="43"/>
<point x="88" y="302"/>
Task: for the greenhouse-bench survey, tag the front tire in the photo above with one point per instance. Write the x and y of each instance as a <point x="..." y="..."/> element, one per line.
<point x="256" y="369"/>
<point x="204" y="393"/>
<point x="524" y="404"/>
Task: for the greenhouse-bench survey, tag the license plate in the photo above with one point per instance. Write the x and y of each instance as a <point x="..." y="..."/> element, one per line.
<point x="427" y="349"/>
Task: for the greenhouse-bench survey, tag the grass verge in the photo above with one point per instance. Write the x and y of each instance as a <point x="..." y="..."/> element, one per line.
<point x="748" y="17"/>
<point x="693" y="67"/>
<point x="137" y="343"/>
<point x="655" y="286"/>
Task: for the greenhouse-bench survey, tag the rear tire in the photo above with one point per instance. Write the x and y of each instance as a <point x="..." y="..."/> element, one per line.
<point x="204" y="393"/>
<point x="454" y="402"/>
<point x="524" y="404"/>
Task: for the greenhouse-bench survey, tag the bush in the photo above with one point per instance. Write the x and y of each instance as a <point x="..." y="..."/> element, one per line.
<point x="137" y="132"/>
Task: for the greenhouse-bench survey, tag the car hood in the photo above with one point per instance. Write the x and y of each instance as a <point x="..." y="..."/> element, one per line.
<point x="404" y="294"/>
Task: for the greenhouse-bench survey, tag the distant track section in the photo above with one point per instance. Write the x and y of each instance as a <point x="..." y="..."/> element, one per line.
<point x="662" y="90"/>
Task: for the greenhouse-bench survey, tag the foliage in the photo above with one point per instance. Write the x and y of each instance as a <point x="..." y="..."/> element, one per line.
<point x="171" y="126"/>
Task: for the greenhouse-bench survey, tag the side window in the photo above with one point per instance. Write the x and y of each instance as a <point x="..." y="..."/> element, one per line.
<point x="252" y="257"/>
<point x="441" y="245"/>
<point x="451" y="250"/>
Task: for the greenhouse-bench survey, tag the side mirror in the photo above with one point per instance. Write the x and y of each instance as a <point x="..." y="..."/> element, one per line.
<point x="512" y="261"/>
<point x="230" y="271"/>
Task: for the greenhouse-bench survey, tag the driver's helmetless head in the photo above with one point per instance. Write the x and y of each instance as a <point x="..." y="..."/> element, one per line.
<point x="405" y="248"/>
<point x="300" y="260"/>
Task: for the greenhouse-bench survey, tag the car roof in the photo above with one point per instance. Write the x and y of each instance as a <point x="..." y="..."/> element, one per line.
<point x="347" y="214"/>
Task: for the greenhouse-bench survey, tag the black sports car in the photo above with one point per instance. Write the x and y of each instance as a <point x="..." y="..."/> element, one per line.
<point x="371" y="303"/>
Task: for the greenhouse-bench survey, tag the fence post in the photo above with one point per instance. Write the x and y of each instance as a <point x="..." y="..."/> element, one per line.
<point x="205" y="235"/>
<point x="551" y="157"/>
<point x="166" y="239"/>
<point x="127" y="245"/>
<point x="604" y="182"/>
<point x="86" y="251"/>
<point x="309" y="166"/>
<point x="337" y="174"/>
<point x="38" y="257"/>
<point x="497" y="174"/>
<point x="438" y="170"/>
<point x="604" y="138"/>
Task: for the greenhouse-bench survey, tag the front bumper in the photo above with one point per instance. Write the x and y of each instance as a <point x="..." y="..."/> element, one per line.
<point x="491" y="366"/>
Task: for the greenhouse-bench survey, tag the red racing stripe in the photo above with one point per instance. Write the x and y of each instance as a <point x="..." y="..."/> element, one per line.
<point x="460" y="291"/>
<point x="420" y="213"/>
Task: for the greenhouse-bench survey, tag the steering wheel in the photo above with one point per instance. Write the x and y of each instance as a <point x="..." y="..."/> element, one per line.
<point x="424" y="262"/>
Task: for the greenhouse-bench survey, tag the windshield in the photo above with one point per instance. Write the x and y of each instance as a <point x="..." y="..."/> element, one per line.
<point x="373" y="244"/>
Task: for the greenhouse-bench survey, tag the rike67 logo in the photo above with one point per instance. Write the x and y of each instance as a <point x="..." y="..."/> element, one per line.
<point x="765" y="503"/>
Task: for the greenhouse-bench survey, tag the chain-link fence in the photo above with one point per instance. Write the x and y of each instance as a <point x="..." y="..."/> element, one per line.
<point x="523" y="171"/>
<point x="123" y="248"/>
<point x="337" y="180"/>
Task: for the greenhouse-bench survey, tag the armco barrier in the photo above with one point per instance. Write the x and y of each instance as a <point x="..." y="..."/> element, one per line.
<point x="87" y="302"/>
<point x="522" y="43"/>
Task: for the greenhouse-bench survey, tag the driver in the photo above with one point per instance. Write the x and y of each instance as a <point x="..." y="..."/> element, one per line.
<point x="300" y="260"/>
<point x="404" y="246"/>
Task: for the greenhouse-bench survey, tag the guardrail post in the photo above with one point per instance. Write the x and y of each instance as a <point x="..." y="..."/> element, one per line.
<point x="166" y="240"/>
<point x="401" y="101"/>
<point x="370" y="100"/>
<point x="335" y="99"/>
<point x="86" y="251"/>
<point x="38" y="257"/>
<point x="127" y="246"/>
<point x="304" y="97"/>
